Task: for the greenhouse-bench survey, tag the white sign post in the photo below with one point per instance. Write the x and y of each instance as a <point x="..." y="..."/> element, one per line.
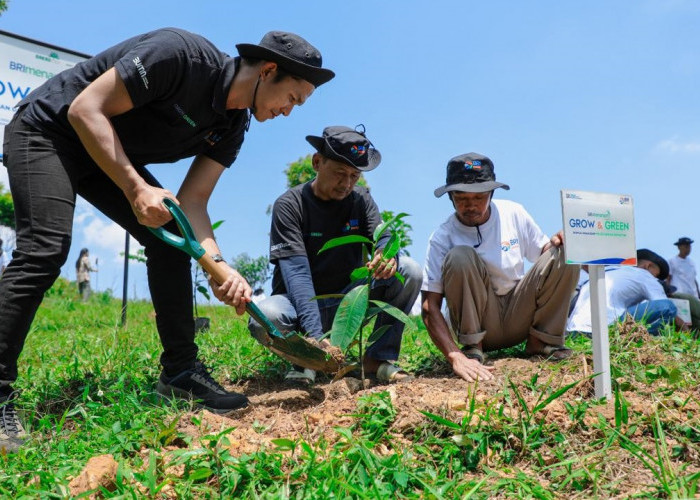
<point x="599" y="230"/>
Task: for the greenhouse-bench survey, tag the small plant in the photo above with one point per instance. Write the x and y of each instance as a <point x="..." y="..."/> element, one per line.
<point x="354" y="311"/>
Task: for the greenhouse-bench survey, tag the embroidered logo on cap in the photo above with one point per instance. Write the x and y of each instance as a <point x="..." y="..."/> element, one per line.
<point x="472" y="165"/>
<point x="356" y="150"/>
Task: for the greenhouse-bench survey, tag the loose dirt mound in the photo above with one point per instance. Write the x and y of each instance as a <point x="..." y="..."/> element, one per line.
<point x="280" y="411"/>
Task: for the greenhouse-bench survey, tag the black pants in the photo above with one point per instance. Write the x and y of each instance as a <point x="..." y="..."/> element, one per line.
<point x="45" y="175"/>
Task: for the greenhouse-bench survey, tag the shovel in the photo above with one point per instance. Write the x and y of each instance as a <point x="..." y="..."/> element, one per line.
<point x="291" y="346"/>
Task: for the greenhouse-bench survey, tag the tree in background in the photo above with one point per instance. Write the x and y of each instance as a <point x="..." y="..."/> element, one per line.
<point x="255" y="271"/>
<point x="3" y="6"/>
<point x="7" y="208"/>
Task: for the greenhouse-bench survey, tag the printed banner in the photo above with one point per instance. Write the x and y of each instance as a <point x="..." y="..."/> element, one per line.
<point x="24" y="65"/>
<point x="598" y="228"/>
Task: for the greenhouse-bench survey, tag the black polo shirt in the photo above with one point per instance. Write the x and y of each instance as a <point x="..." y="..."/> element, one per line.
<point x="178" y="83"/>
<point x="303" y="223"/>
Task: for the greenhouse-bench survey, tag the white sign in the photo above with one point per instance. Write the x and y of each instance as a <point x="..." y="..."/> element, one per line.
<point x="24" y="65"/>
<point x="683" y="306"/>
<point x="598" y="228"/>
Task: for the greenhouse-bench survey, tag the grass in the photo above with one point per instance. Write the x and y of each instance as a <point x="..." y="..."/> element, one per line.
<point x="88" y="390"/>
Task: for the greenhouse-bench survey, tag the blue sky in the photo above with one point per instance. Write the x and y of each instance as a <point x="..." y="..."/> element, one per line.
<point x="595" y="96"/>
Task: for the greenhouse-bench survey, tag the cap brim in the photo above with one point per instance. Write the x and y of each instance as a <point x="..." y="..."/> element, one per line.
<point x="374" y="157"/>
<point x="476" y="187"/>
<point x="312" y="74"/>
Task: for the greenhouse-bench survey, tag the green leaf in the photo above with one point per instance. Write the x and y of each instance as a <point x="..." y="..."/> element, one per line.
<point x="401" y="478"/>
<point x="392" y="247"/>
<point x="442" y="421"/>
<point x="328" y="296"/>
<point x="392" y="311"/>
<point x="400" y="277"/>
<point x="216" y="225"/>
<point x="379" y="230"/>
<point x="349" y="317"/>
<point x="359" y="274"/>
<point x="376" y="334"/>
<point x="199" y="474"/>
<point x="345" y="240"/>
<point x="284" y="444"/>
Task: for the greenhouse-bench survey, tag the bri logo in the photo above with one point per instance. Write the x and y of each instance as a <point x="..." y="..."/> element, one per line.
<point x="510" y="244"/>
<point x="356" y="150"/>
<point x="472" y="165"/>
<point x="212" y="137"/>
<point x="142" y="71"/>
<point x="351" y="225"/>
<point x="625" y="200"/>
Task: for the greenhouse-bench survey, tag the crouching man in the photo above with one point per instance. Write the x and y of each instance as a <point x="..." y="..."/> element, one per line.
<point x="475" y="260"/>
<point x="303" y="220"/>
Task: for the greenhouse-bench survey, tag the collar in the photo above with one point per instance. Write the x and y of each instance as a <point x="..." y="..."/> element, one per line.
<point x="223" y="84"/>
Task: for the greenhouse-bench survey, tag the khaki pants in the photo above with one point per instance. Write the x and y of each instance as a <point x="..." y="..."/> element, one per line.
<point x="537" y="306"/>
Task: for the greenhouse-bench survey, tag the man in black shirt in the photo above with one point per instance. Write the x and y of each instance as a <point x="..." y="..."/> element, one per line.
<point x="303" y="220"/>
<point x="90" y="130"/>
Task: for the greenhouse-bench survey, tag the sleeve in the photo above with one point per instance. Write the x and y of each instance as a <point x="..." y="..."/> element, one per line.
<point x="154" y="66"/>
<point x="435" y="255"/>
<point x="296" y="274"/>
<point x="286" y="238"/>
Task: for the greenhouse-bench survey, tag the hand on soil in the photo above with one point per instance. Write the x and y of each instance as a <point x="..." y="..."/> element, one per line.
<point x="470" y="369"/>
<point x="235" y="291"/>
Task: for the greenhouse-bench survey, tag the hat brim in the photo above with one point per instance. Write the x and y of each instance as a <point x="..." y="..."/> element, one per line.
<point x="645" y="254"/>
<point x="476" y="187"/>
<point x="374" y="157"/>
<point x="312" y="74"/>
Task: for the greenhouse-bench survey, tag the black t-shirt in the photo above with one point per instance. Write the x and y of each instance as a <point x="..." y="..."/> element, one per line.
<point x="303" y="223"/>
<point x="178" y="83"/>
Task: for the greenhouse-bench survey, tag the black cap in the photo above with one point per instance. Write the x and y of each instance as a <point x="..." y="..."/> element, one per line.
<point x="292" y="53"/>
<point x="470" y="173"/>
<point x="684" y="240"/>
<point x="646" y="254"/>
<point x="347" y="145"/>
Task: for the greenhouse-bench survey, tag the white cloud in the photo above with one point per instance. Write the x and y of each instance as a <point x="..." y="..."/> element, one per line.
<point x="675" y="146"/>
<point x="101" y="233"/>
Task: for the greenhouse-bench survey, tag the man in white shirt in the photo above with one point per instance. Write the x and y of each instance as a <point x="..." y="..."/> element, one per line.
<point x="475" y="261"/>
<point x="631" y="290"/>
<point x="682" y="274"/>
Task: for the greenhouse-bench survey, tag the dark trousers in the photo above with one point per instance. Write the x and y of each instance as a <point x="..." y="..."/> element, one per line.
<point x="45" y="176"/>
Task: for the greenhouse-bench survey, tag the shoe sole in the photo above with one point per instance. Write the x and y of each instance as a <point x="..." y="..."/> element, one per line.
<point x="168" y="392"/>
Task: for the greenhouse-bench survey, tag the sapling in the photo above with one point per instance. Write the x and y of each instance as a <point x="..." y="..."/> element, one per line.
<point x="356" y="310"/>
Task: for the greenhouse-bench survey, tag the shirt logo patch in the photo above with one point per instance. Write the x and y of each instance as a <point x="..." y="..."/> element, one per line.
<point x="184" y="115"/>
<point x="142" y="71"/>
<point x="212" y="137"/>
<point x="351" y="225"/>
<point x="509" y="245"/>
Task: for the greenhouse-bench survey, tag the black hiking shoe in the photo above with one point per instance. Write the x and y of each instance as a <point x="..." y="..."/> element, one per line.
<point x="12" y="434"/>
<point x="198" y="385"/>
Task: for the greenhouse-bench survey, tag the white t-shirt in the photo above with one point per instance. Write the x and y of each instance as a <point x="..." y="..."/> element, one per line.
<point x="625" y="286"/>
<point x="508" y="237"/>
<point x="683" y="275"/>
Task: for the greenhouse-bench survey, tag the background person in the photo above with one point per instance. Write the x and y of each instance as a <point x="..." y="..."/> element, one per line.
<point x="303" y="220"/>
<point x="475" y="261"/>
<point x="83" y="268"/>
<point x="633" y="290"/>
<point x="92" y="129"/>
<point x="682" y="272"/>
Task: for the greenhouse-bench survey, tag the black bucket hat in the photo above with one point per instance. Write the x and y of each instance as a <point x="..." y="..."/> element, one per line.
<point x="684" y="241"/>
<point x="347" y="145"/>
<point x="470" y="173"/>
<point x="646" y="254"/>
<point x="292" y="53"/>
